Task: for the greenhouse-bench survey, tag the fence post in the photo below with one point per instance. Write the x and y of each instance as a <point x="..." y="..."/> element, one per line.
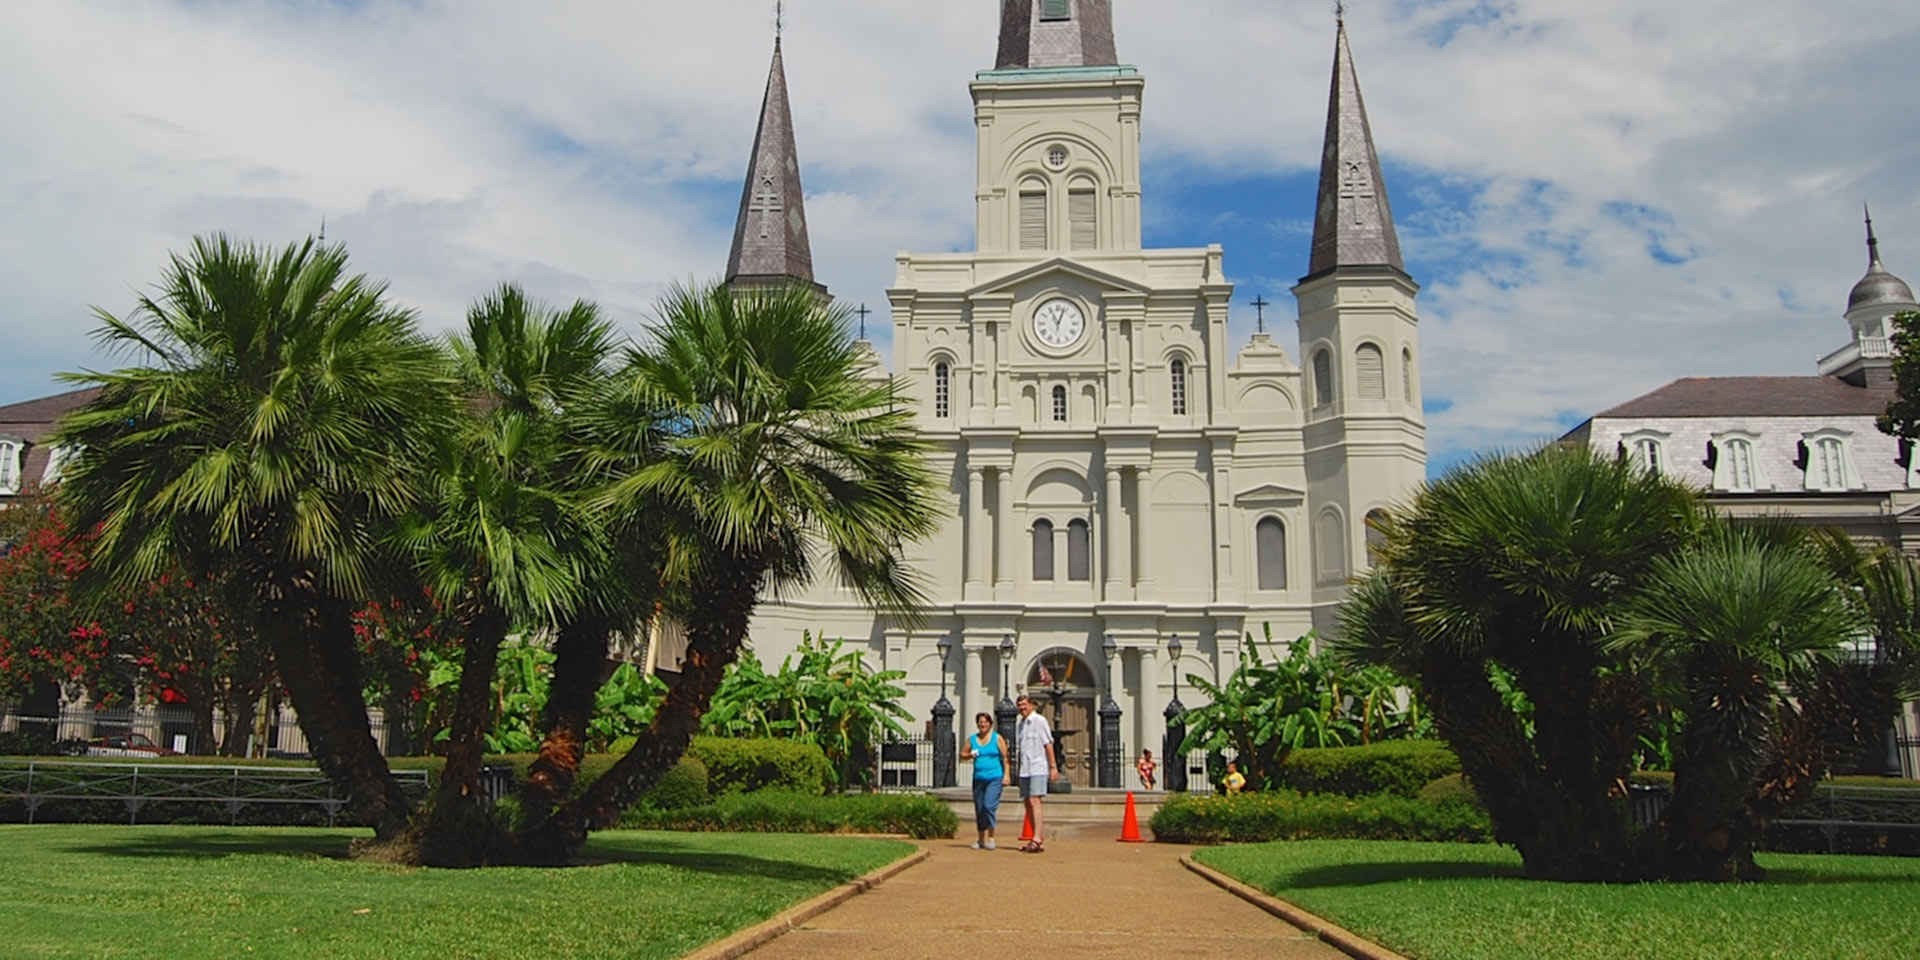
<point x="1110" y="751"/>
<point x="945" y="763"/>
<point x="32" y="806"/>
<point x="1176" y="715"/>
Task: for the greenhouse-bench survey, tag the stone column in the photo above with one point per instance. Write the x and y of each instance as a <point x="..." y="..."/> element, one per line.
<point x="1143" y="500"/>
<point x="980" y="694"/>
<point x="1144" y="711"/>
<point x="977" y="534"/>
<point x="1003" y="538"/>
<point x="1117" y="538"/>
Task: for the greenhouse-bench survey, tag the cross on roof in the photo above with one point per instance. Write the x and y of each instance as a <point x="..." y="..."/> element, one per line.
<point x="863" y="313"/>
<point x="1260" y="304"/>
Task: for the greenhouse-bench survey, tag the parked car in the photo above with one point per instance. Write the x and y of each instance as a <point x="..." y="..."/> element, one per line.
<point x="127" y="745"/>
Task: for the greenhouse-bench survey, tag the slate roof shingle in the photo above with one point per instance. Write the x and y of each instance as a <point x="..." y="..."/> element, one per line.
<point x="1755" y="397"/>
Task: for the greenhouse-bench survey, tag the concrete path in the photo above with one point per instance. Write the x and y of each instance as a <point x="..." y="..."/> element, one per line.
<point x="1085" y="897"/>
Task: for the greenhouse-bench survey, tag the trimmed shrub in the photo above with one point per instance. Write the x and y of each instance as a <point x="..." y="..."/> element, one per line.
<point x="36" y="741"/>
<point x="777" y="811"/>
<point x="1398" y="767"/>
<point x="684" y="786"/>
<point x="746" y="766"/>
<point x="1285" y="815"/>
<point x="1452" y="788"/>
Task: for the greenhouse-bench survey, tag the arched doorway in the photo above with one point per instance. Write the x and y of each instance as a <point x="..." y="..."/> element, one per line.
<point x="1063" y="687"/>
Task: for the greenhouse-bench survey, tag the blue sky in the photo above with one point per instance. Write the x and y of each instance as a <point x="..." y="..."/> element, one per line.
<point x="1596" y="198"/>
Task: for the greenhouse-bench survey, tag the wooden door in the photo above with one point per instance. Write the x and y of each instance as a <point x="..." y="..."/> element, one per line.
<point x="1075" y="727"/>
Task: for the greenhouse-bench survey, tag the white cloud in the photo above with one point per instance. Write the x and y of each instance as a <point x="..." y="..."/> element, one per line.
<point x="593" y="149"/>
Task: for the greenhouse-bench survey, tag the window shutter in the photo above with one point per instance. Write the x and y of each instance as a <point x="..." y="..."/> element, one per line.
<point x="1322" y="379"/>
<point x="1033" y="221"/>
<point x="1083" y="215"/>
<point x="1370" y="368"/>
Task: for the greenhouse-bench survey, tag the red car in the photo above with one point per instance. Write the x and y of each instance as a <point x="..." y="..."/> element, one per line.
<point x="127" y="745"/>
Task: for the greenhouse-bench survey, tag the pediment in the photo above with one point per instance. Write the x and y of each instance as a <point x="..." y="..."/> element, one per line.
<point x="1058" y="265"/>
<point x="1269" y="493"/>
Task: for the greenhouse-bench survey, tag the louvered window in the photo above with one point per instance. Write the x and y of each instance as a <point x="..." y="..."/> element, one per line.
<point x="1059" y="404"/>
<point x="1079" y="551"/>
<point x="942" y="391"/>
<point x="1406" y="375"/>
<point x="1083" y="215"/>
<point x="1056" y="9"/>
<point x="1370" y="367"/>
<point x="1042" y="550"/>
<point x="1270" y="545"/>
<point x="1178" y="374"/>
<point x="1033" y="221"/>
<point x="1739" y="455"/>
<point x="1376" y="535"/>
<point x="1829" y="464"/>
<point x="1322" y="378"/>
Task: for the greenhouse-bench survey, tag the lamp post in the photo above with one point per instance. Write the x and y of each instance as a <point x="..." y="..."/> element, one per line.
<point x="1176" y="760"/>
<point x="944" y="760"/>
<point x="1109" y="724"/>
<point x="1004" y="712"/>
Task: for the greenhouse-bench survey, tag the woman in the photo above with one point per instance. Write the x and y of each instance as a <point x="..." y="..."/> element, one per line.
<point x="988" y="754"/>
<point x="1146" y="766"/>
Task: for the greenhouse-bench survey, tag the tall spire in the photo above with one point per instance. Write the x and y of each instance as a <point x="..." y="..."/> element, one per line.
<point x="1352" y="225"/>
<point x="1873" y="242"/>
<point x="770" y="239"/>
<point x="1035" y="34"/>
<point x="1878" y="289"/>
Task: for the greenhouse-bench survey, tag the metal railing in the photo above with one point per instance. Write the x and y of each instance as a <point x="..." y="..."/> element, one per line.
<point x="168" y="729"/>
<point x="906" y="766"/>
<point x="34" y="783"/>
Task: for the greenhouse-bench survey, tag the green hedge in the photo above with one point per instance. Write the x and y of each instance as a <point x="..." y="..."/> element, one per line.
<point x="1398" y="767"/>
<point x="747" y="766"/>
<point x="1285" y="815"/>
<point x="778" y="811"/>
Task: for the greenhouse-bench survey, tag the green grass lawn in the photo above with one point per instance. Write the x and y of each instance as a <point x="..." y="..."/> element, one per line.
<point x="188" y="892"/>
<point x="1436" y="901"/>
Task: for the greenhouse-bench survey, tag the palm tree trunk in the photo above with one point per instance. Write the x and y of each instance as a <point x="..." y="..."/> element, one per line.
<point x="458" y="829"/>
<point x="313" y="644"/>
<point x="721" y="607"/>
<point x="1716" y="761"/>
<point x="579" y="669"/>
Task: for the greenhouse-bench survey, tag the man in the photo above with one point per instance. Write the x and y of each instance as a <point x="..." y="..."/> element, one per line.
<point x="1033" y="737"/>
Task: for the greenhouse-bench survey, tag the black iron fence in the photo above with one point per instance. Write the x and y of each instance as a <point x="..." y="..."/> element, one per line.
<point x="34" y="789"/>
<point x="907" y="765"/>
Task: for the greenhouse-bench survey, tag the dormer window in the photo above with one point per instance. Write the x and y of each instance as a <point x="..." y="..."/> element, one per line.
<point x="1735" y="468"/>
<point x="10" y="451"/>
<point x="1647" y="449"/>
<point x="57" y="458"/>
<point x="1829" y="468"/>
<point x="1056" y="10"/>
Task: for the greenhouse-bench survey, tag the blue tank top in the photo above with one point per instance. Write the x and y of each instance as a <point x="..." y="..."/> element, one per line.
<point x="986" y="758"/>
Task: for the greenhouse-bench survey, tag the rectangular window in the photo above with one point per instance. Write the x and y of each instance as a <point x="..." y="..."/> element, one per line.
<point x="1079" y="551"/>
<point x="1056" y="9"/>
<point x="942" y="391"/>
<point x="1083" y="215"/>
<point x="1033" y="221"/>
<point x="1060" y="404"/>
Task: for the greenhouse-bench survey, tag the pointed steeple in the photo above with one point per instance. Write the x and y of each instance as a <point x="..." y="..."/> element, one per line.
<point x="1878" y="288"/>
<point x="1036" y="34"/>
<point x="770" y="239"/>
<point x="1352" y="225"/>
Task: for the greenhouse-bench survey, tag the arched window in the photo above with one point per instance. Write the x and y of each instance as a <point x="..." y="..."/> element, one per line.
<point x="1033" y="216"/>
<point x="1042" y="550"/>
<point x="1370" y="372"/>
<point x="1330" y="547"/>
<point x="1322" y="378"/>
<point x="1406" y="375"/>
<point x="1083" y="215"/>
<point x="1177" y="372"/>
<point x="1376" y="535"/>
<point x="1079" y="551"/>
<point x="1059" y="404"/>
<point x="1270" y="548"/>
<point x="1827" y="470"/>
<point x="942" y="390"/>
<point x="1646" y="453"/>
<point x="10" y="466"/>
<point x="1739" y="454"/>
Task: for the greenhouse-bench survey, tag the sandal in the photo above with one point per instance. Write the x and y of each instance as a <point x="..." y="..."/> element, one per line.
<point x="1031" y="847"/>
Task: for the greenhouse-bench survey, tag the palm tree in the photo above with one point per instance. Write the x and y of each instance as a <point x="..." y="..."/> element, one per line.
<point x="277" y="422"/>
<point x="503" y="537"/>
<point x="780" y="449"/>
<point x="1732" y="627"/>
<point x="1521" y="562"/>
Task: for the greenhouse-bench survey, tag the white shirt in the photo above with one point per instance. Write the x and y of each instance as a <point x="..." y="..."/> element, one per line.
<point x="1034" y="735"/>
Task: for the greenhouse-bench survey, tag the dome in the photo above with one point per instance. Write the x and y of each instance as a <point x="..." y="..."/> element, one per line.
<point x="1879" y="288"/>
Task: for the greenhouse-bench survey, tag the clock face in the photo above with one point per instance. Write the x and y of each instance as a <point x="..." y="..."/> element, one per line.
<point x="1059" y="323"/>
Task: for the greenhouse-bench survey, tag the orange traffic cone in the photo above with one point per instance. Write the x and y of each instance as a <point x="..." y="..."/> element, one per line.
<point x="1130" y="827"/>
<point x="1026" y="829"/>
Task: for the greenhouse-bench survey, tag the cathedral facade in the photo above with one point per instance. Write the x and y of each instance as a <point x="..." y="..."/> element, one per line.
<point x="1122" y="482"/>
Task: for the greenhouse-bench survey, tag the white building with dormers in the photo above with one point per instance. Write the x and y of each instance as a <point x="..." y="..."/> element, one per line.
<point x="1115" y="466"/>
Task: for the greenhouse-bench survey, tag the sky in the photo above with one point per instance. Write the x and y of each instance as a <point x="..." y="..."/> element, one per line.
<point x="1597" y="198"/>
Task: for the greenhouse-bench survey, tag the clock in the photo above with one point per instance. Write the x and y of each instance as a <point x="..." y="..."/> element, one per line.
<point x="1059" y="323"/>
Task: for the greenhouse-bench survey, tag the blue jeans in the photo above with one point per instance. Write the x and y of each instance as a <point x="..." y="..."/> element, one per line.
<point x="986" y="803"/>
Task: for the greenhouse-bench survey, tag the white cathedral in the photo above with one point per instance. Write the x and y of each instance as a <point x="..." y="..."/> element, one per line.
<point x="1123" y="481"/>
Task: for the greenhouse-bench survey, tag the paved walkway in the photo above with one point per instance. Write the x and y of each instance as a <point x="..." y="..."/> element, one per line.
<point x="1084" y="897"/>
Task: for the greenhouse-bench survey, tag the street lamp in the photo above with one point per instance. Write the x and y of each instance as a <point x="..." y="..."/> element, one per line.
<point x="1004" y="712"/>
<point x="1176" y="762"/>
<point x="1006" y="665"/>
<point x="944" y="759"/>
<point x="1109" y="723"/>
